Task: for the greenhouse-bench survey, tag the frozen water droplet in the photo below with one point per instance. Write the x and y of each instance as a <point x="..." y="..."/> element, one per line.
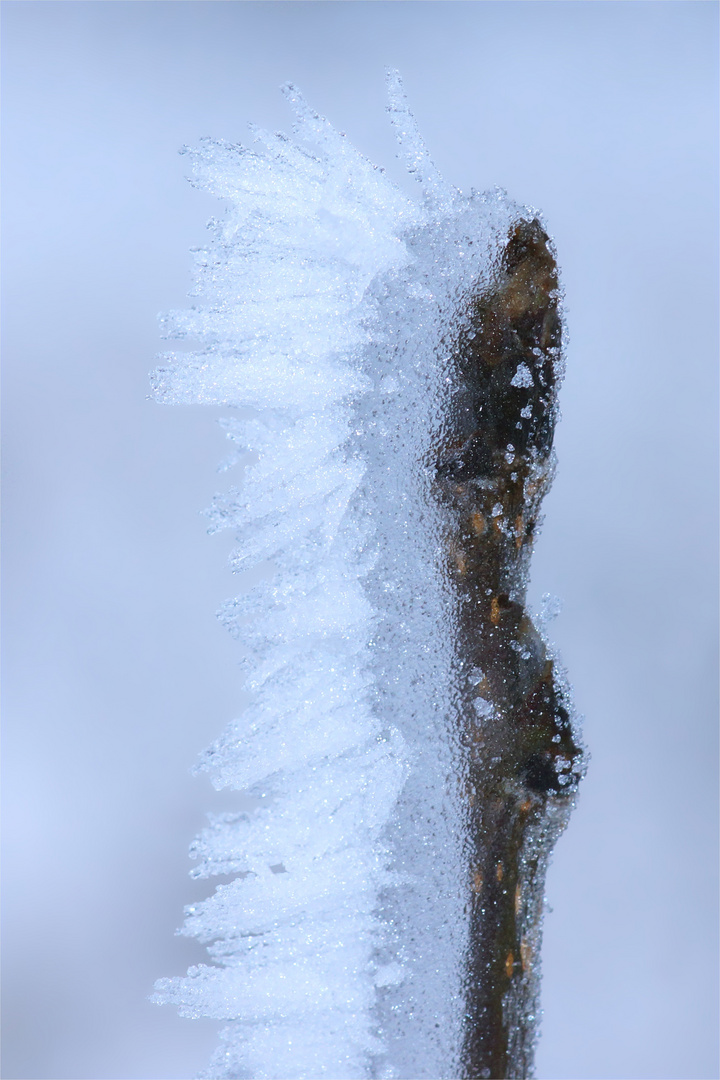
<point x="522" y="377"/>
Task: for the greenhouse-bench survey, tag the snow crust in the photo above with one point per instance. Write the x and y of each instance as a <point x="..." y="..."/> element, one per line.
<point x="327" y="306"/>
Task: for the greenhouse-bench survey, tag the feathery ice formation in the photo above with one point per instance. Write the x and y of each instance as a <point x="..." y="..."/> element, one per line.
<point x="331" y="308"/>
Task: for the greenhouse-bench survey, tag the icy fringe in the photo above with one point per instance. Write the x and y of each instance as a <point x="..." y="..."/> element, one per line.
<point x="328" y="303"/>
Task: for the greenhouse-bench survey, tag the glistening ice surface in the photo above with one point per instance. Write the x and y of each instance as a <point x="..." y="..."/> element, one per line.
<point x="328" y="304"/>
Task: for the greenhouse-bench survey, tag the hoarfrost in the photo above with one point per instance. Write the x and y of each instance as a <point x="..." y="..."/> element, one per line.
<point x="326" y="304"/>
<point x="522" y="377"/>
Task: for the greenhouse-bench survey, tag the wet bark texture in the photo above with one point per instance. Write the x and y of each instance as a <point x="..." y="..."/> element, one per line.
<point x="521" y="760"/>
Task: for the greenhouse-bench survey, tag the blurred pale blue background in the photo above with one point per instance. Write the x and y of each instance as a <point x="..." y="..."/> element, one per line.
<point x="116" y="673"/>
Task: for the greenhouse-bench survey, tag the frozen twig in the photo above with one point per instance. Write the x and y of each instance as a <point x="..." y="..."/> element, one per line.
<point x="409" y="744"/>
<point x="521" y="760"/>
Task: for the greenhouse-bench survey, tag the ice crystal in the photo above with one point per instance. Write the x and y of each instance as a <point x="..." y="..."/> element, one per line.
<point x="327" y="303"/>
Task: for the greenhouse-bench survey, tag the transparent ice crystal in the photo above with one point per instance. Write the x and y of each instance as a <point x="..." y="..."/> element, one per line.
<point x="325" y="307"/>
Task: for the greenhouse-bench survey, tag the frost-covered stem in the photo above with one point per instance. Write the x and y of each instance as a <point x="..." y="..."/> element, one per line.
<point x="409" y="744"/>
<point x="521" y="761"/>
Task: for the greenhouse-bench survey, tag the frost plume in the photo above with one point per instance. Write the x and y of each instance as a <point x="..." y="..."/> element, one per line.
<point x="327" y="303"/>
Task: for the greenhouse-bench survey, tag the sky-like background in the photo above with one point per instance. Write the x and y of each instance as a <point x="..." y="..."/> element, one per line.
<point x="116" y="672"/>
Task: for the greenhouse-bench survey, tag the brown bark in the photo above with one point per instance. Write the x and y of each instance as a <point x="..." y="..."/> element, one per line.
<point x="521" y="760"/>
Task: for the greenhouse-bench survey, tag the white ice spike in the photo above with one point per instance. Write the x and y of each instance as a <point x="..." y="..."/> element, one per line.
<point x="323" y="305"/>
<point x="438" y="194"/>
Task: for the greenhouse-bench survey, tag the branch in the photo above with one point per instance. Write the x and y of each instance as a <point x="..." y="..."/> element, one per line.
<point x="521" y="760"/>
